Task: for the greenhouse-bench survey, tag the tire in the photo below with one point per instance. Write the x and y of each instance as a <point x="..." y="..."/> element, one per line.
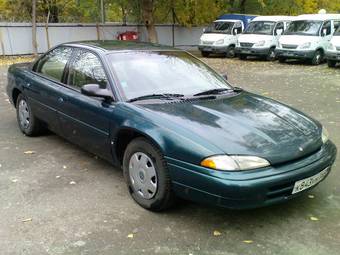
<point x="271" y="56"/>
<point x="160" y="196"/>
<point x="28" y="123"/>
<point x="331" y="63"/>
<point x="318" y="58"/>
<point x="242" y="57"/>
<point x="205" y="54"/>
<point x="282" y="59"/>
<point x="231" y="52"/>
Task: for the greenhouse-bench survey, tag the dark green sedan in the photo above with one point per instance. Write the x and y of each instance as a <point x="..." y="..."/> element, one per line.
<point x="175" y="126"/>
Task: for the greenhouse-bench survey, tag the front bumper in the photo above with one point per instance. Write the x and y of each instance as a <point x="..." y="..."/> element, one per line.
<point x="252" y="51"/>
<point x="247" y="189"/>
<point x="295" y="54"/>
<point x="333" y="56"/>
<point x="213" y="48"/>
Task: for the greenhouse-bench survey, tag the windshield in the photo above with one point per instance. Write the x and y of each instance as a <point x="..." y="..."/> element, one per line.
<point x="220" y="27"/>
<point x="337" y="32"/>
<point x="304" y="27"/>
<point x="260" y="27"/>
<point x="164" y="72"/>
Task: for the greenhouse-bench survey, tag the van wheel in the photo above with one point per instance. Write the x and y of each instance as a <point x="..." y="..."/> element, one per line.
<point x="231" y="52"/>
<point x="331" y="63"/>
<point x="242" y="57"/>
<point x="147" y="176"/>
<point x="271" y="54"/>
<point x="282" y="59"/>
<point x="318" y="57"/>
<point x="27" y="122"/>
<point x="205" y="54"/>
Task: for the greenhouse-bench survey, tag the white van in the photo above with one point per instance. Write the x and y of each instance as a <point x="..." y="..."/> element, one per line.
<point x="220" y="37"/>
<point x="333" y="50"/>
<point x="261" y="36"/>
<point x="307" y="37"/>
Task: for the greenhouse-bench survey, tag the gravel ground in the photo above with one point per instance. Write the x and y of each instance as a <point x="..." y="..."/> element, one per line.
<point x="58" y="199"/>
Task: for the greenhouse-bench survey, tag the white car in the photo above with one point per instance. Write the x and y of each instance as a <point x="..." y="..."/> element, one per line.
<point x="307" y="37"/>
<point x="220" y="37"/>
<point x="333" y="50"/>
<point x="261" y="36"/>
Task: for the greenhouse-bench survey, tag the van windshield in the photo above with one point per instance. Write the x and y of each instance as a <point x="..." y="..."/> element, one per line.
<point x="304" y="27"/>
<point x="260" y="27"/>
<point x="221" y="27"/>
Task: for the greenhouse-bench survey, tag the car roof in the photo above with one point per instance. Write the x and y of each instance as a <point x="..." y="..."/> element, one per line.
<point x="318" y="17"/>
<point x="274" y="18"/>
<point x="228" y="20"/>
<point x="116" y="45"/>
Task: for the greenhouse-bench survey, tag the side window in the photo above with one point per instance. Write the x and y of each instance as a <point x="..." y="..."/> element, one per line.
<point x="336" y="24"/>
<point x="279" y="28"/>
<point x="326" y="28"/>
<point x="86" y="68"/>
<point x="53" y="63"/>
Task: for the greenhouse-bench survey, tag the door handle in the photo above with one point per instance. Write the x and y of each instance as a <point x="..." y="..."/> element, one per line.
<point x="60" y="100"/>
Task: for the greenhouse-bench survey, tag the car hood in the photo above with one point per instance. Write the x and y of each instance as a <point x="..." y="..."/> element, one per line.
<point x="298" y="39"/>
<point x="245" y="124"/>
<point x="213" y="37"/>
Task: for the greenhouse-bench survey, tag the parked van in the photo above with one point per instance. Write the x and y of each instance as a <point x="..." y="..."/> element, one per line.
<point x="333" y="50"/>
<point x="221" y="36"/>
<point x="308" y="37"/>
<point x="261" y="36"/>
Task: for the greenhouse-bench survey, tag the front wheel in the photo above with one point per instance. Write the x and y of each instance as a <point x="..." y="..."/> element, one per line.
<point x="271" y="56"/>
<point x="318" y="57"/>
<point x="28" y="123"/>
<point x="231" y="52"/>
<point x="147" y="175"/>
<point x="331" y="63"/>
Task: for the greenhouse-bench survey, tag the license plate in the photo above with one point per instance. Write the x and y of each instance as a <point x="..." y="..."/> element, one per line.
<point x="310" y="181"/>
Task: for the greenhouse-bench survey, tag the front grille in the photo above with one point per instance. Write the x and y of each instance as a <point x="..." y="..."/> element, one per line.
<point x="207" y="43"/>
<point x="248" y="45"/>
<point x="289" y="46"/>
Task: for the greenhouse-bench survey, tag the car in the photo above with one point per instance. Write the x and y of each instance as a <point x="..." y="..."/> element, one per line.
<point x="176" y="127"/>
<point x="333" y="50"/>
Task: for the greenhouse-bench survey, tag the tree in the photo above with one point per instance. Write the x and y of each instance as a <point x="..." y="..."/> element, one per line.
<point x="147" y="9"/>
<point x="34" y="28"/>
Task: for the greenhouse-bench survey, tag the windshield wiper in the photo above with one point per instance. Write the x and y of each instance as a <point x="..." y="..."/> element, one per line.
<point x="156" y="96"/>
<point x="213" y="91"/>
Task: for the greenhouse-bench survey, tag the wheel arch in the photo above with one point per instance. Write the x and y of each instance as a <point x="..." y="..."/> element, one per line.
<point x="15" y="94"/>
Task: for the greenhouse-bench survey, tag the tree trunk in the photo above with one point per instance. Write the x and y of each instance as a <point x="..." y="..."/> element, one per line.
<point x="243" y="6"/>
<point x="34" y="28"/>
<point x="147" y="14"/>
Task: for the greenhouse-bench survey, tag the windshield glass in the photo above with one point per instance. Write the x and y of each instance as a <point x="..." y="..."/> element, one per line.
<point x="220" y="27"/>
<point x="304" y="27"/>
<point x="260" y="27"/>
<point x="164" y="72"/>
<point x="337" y="32"/>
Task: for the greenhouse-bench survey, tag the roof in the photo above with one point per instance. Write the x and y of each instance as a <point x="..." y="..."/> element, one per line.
<point x="115" y="45"/>
<point x="274" y="18"/>
<point x="228" y="20"/>
<point x="318" y="17"/>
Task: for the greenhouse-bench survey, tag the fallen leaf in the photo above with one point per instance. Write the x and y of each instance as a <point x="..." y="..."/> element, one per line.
<point x="29" y="152"/>
<point x="27" y="220"/>
<point x="310" y="196"/>
<point x="64" y="167"/>
<point x="57" y="177"/>
<point x="248" y="241"/>
<point x="312" y="218"/>
<point x="130" y="236"/>
<point x="73" y="182"/>
<point x="217" y="233"/>
<point x="15" y="180"/>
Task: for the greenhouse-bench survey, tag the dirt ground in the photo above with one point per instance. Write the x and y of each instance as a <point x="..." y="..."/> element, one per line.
<point x="58" y="199"/>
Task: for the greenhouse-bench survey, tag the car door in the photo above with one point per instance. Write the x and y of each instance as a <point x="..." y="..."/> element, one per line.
<point x="279" y="28"/>
<point x="86" y="120"/>
<point x="326" y="34"/>
<point x="43" y="88"/>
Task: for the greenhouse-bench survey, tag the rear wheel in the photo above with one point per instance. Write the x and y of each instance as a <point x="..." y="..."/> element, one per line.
<point x="271" y="56"/>
<point x="242" y="57"/>
<point x="28" y="123"/>
<point x="318" y="57"/>
<point x="331" y="63"/>
<point x="231" y="51"/>
<point x="205" y="54"/>
<point x="147" y="175"/>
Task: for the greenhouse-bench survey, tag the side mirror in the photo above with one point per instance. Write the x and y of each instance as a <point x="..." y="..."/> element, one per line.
<point x="204" y="29"/>
<point x="93" y="90"/>
<point x="324" y="32"/>
<point x="235" y="31"/>
<point x="279" y="31"/>
<point x="225" y="76"/>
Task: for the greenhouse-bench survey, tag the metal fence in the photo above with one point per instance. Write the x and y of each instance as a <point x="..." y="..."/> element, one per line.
<point x="16" y="38"/>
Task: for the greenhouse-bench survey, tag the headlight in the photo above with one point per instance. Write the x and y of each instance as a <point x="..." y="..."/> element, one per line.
<point x="324" y="135"/>
<point x="305" y="45"/>
<point x="234" y="163"/>
<point x="331" y="46"/>
<point x="260" y="43"/>
<point x="221" y="41"/>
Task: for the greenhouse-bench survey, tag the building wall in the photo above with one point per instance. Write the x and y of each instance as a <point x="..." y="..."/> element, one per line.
<point x="16" y="38"/>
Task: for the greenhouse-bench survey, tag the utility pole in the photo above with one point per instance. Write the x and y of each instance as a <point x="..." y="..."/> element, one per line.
<point x="34" y="28"/>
